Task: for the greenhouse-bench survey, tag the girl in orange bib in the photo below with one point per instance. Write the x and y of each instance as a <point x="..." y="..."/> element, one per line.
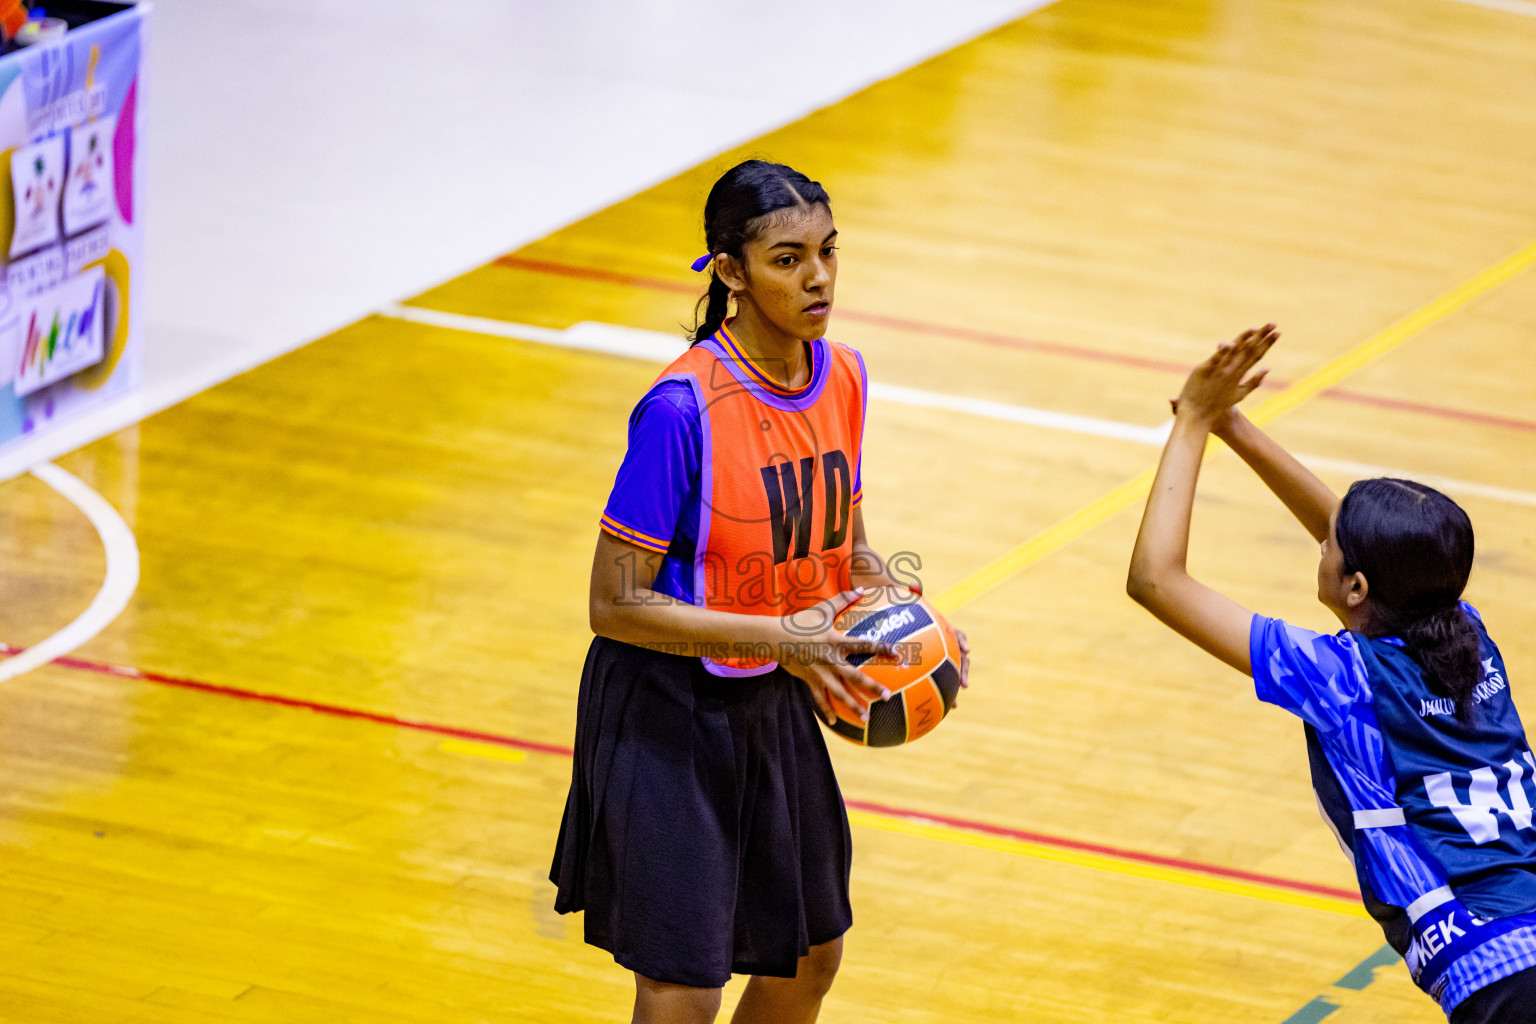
<point x="705" y="834"/>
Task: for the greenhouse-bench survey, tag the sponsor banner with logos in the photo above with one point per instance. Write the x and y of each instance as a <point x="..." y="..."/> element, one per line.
<point x="71" y="230"/>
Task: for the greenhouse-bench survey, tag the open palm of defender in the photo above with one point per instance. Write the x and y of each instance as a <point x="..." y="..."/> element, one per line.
<point x="1219" y="383"/>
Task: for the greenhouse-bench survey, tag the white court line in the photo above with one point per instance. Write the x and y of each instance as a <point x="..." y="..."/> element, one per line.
<point x="1525" y="7"/>
<point x="1020" y="414"/>
<point x="1449" y="485"/>
<point x="663" y="348"/>
<point x="588" y="336"/>
<point x="116" y="589"/>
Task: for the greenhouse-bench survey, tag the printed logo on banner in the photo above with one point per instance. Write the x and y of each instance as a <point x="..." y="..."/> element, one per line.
<point x="35" y="274"/>
<point x="61" y="331"/>
<point x="37" y="177"/>
<point x="88" y="192"/>
<point x="69" y="109"/>
<point x="91" y="247"/>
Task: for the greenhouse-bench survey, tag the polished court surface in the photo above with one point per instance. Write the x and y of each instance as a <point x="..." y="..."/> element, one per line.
<point x="314" y="771"/>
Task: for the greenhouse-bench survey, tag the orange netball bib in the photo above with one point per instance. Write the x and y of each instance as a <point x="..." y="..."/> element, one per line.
<point x="777" y="485"/>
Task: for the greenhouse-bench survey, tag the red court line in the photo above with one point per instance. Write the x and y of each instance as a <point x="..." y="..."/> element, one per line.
<point x="984" y="828"/>
<point x="997" y="340"/>
<point x="878" y="319"/>
<point x="655" y="284"/>
<point x="1444" y="412"/>
<point x="124" y="672"/>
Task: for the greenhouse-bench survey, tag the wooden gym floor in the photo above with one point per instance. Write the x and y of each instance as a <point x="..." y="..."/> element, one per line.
<point x="314" y="771"/>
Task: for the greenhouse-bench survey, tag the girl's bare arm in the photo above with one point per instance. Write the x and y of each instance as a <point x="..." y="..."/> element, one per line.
<point x="622" y="606"/>
<point x="1309" y="499"/>
<point x="1158" y="578"/>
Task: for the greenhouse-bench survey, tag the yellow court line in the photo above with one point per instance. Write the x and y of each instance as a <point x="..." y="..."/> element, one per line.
<point x="1099" y="862"/>
<point x="1330" y="373"/>
<point x="1041" y="544"/>
<point x="489" y="751"/>
<point x="1335" y="370"/>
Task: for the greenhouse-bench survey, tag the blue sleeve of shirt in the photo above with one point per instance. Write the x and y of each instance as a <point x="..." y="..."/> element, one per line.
<point x="1472" y="613"/>
<point x="858" y="464"/>
<point x="1314" y="676"/>
<point x="660" y="468"/>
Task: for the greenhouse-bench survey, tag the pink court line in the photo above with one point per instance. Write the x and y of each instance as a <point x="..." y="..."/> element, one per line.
<point x="1056" y="348"/>
<point x="965" y="824"/>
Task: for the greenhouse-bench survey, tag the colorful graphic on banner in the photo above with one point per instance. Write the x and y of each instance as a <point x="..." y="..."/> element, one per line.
<point x="37" y="176"/>
<point x="63" y="331"/>
<point x="88" y="190"/>
<point x="70" y="137"/>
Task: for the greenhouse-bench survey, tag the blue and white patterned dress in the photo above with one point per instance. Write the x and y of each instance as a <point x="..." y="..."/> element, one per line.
<point x="1435" y="813"/>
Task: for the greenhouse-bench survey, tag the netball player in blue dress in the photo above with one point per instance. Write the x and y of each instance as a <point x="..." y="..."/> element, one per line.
<point x="705" y="834"/>
<point x="1418" y="756"/>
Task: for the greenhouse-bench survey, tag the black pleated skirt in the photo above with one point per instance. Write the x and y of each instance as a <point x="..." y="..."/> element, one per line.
<point x="704" y="833"/>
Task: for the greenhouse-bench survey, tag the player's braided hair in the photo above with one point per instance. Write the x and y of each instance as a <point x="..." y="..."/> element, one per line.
<point x="738" y="207"/>
<point x="1414" y="546"/>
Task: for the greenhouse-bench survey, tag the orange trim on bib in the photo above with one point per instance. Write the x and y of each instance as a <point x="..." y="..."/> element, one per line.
<point x="728" y="340"/>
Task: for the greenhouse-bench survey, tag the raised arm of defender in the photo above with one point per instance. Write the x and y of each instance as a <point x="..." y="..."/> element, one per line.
<point x="1158" y="579"/>
<point x="1309" y="499"/>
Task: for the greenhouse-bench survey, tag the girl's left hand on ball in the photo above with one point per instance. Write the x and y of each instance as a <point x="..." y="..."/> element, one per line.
<point x="965" y="663"/>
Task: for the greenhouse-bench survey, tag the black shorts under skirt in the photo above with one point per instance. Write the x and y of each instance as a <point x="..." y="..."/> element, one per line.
<point x="704" y="833"/>
<point x="1510" y="1000"/>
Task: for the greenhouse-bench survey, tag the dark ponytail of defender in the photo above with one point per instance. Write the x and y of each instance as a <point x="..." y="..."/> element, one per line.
<point x="734" y="214"/>
<point x="1414" y="546"/>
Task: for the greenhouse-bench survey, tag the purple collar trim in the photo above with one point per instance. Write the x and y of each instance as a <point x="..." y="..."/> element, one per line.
<point x="749" y="377"/>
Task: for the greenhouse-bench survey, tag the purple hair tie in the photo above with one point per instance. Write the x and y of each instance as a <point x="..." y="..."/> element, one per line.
<point x="703" y="261"/>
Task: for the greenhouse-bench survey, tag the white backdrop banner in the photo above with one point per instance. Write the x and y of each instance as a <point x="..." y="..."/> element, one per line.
<point x="71" y="142"/>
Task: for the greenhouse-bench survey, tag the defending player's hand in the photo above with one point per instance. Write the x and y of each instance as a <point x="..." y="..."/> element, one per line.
<point x="1222" y="381"/>
<point x="821" y="660"/>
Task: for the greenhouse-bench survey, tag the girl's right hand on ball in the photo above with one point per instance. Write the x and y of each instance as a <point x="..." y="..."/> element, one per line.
<point x="820" y="659"/>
